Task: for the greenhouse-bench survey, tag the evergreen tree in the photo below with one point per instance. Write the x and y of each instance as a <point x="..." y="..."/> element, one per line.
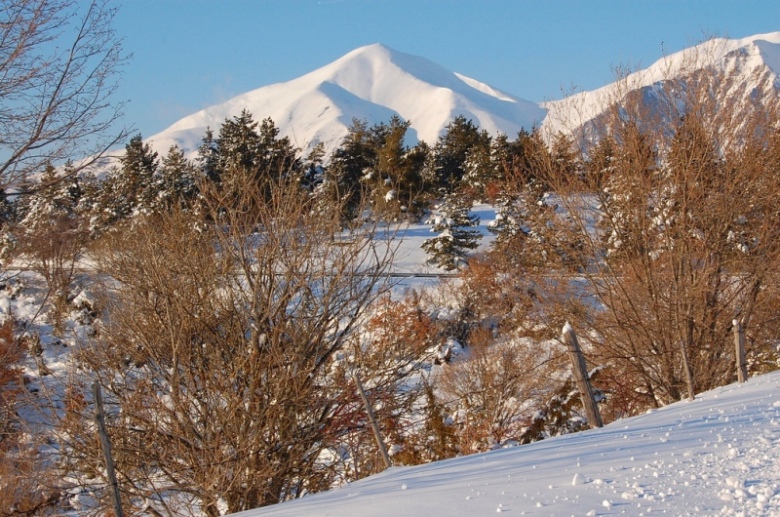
<point x="524" y="217"/>
<point x="208" y="158"/>
<point x="623" y="197"/>
<point x="413" y="181"/>
<point x="448" y="249"/>
<point x="176" y="183"/>
<point x="51" y="198"/>
<point x="478" y="172"/>
<point x="52" y="235"/>
<point x="136" y="177"/>
<point x="129" y="189"/>
<point x="239" y="151"/>
<point x="250" y="151"/>
<point x="349" y="163"/>
<point x="278" y="158"/>
<point x="313" y="170"/>
<point x="461" y="136"/>
<point x="565" y="158"/>
<point x="395" y="180"/>
<point x="601" y="163"/>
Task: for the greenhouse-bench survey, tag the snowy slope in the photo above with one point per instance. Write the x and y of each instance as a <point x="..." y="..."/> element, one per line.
<point x="717" y="455"/>
<point x="753" y="64"/>
<point x="370" y="83"/>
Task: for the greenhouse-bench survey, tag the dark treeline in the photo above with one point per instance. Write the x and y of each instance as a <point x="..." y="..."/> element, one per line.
<point x="372" y="167"/>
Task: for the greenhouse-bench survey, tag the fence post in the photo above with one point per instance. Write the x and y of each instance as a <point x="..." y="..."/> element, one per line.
<point x="372" y="420"/>
<point x="106" y="446"/>
<point x="739" y="343"/>
<point x="581" y="377"/>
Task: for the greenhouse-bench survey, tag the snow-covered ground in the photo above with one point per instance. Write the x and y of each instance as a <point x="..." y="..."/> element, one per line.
<point x="716" y="455"/>
<point x="409" y="257"/>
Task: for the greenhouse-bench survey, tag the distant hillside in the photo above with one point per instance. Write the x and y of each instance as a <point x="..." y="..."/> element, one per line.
<point x="751" y="64"/>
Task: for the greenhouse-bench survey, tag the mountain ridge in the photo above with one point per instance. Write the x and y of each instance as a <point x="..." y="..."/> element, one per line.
<point x="375" y="82"/>
<point x="370" y="83"/>
<point x="754" y="61"/>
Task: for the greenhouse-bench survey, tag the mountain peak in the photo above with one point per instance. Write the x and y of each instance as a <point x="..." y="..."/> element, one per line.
<point x="372" y="48"/>
<point x="370" y="83"/>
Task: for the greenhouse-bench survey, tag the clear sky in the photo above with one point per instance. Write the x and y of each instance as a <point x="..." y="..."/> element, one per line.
<point x="190" y="54"/>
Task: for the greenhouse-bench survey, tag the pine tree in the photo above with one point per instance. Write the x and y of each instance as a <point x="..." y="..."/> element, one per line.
<point x="565" y="158"/>
<point x="135" y="181"/>
<point x="239" y="151"/>
<point x="601" y="163"/>
<point x="52" y="235"/>
<point x="278" y="158"/>
<point x="393" y="181"/>
<point x="249" y="151"/>
<point x="127" y="190"/>
<point x="478" y="172"/>
<point x="623" y="196"/>
<point x="208" y="158"/>
<point x="452" y="149"/>
<point x="176" y="182"/>
<point x="348" y="165"/>
<point x="417" y="191"/>
<point x="448" y="249"/>
<point x="313" y="170"/>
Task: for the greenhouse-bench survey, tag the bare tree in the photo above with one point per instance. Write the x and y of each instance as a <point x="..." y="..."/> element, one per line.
<point x="58" y="71"/>
<point x="494" y="394"/>
<point x="678" y="234"/>
<point x="218" y="359"/>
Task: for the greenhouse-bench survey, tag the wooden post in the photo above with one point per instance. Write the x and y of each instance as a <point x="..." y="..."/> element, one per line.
<point x="739" y="343"/>
<point x="106" y="446"/>
<point x="684" y="353"/>
<point x="372" y="420"/>
<point x="581" y="377"/>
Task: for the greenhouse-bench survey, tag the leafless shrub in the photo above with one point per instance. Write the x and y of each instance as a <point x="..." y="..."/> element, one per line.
<point x="217" y="354"/>
<point x="495" y="392"/>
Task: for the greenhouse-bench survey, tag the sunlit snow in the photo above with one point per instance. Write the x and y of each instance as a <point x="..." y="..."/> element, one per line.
<point x="716" y="455"/>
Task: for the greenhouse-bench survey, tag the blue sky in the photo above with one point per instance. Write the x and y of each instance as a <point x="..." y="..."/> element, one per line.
<point x="190" y="54"/>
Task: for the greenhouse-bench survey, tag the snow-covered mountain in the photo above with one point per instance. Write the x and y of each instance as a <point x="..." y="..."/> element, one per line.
<point x="375" y="82"/>
<point x="371" y="83"/>
<point x="717" y="455"/>
<point x="751" y="64"/>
